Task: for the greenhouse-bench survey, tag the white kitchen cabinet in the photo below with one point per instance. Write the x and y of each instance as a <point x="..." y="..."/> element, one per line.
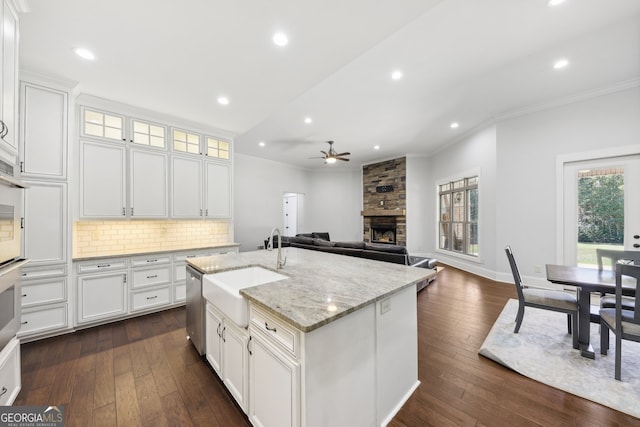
<point x="45" y="222"/>
<point x="102" y="296"/>
<point x="102" y="180"/>
<point x="43" y="320"/>
<point x="150" y="282"/>
<point x="148" y="177"/>
<point x="186" y="187"/>
<point x="274" y="384"/>
<point x="10" y="380"/>
<point x="218" y="189"/>
<point x="148" y="134"/>
<point x="228" y="354"/>
<point x="43" y="123"/>
<point x="9" y="89"/>
<point x="147" y="299"/>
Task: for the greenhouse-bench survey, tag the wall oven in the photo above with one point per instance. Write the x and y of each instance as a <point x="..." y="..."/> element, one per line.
<point x="10" y="247"/>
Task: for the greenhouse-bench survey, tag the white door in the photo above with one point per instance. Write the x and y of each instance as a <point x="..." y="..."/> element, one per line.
<point x="186" y="187"/>
<point x="290" y="214"/>
<point x="149" y="179"/>
<point x="45" y="222"/>
<point x="218" y="190"/>
<point x="601" y="207"/>
<point x="102" y="180"/>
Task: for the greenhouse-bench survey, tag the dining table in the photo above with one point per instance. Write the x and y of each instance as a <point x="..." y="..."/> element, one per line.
<point x="587" y="280"/>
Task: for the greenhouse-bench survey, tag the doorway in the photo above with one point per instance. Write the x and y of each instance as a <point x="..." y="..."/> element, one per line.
<point x="292" y="213"/>
<point x="601" y="207"/>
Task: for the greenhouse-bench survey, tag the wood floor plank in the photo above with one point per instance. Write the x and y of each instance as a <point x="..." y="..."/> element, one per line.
<point x="127" y="408"/>
<point x="104" y="391"/>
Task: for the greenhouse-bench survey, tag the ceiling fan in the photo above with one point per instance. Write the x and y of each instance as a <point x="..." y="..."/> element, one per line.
<point x="331" y="156"/>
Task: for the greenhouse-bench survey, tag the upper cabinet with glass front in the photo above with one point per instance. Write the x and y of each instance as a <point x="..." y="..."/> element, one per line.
<point x="147" y="134"/>
<point x="217" y="148"/>
<point x="102" y="125"/>
<point x="186" y="142"/>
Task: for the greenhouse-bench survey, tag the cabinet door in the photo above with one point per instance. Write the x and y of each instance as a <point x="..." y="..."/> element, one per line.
<point x="45" y="222"/>
<point x="186" y="187"/>
<point x="214" y="330"/>
<point x="148" y="184"/>
<point x="102" y="180"/>
<point x="235" y="367"/>
<point x="10" y="73"/>
<point x="218" y="190"/>
<point x="273" y="386"/>
<point x="101" y="296"/>
<point x="43" y="150"/>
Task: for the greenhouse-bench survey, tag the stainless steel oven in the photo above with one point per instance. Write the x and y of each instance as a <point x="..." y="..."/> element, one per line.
<point x="10" y="276"/>
<point x="10" y="214"/>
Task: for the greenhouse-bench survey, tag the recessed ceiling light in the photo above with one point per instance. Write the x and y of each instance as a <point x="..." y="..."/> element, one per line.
<point x="223" y="100"/>
<point x="261" y="144"/>
<point x="308" y="120"/>
<point x="84" y="53"/>
<point x="554" y="2"/>
<point x="396" y="75"/>
<point x="376" y="147"/>
<point x="280" y="39"/>
<point x="560" y="64"/>
<point x="454" y="125"/>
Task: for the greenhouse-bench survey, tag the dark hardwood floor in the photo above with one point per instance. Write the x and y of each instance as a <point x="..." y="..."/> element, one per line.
<point x="143" y="372"/>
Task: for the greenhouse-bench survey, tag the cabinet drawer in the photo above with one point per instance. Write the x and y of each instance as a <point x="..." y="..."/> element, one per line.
<point x="104" y="265"/>
<point x="180" y="292"/>
<point x="182" y="257"/>
<point x="150" y="276"/>
<point x="46" y="271"/>
<point x="282" y="334"/>
<point x="44" y="319"/>
<point x="150" y="298"/>
<point x="10" y="373"/>
<point x="160" y="259"/>
<point x="44" y="291"/>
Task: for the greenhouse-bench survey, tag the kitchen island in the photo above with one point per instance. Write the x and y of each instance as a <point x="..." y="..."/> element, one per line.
<point x="335" y="343"/>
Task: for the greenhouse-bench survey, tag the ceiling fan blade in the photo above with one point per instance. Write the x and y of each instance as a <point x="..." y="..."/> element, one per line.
<point x="316" y="157"/>
<point x="344" y="154"/>
<point x="324" y="152"/>
<point x="344" y="160"/>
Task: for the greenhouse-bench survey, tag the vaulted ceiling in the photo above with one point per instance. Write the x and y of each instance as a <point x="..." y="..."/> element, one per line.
<point x="464" y="61"/>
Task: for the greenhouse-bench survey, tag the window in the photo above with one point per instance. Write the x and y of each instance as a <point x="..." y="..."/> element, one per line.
<point x="148" y="134"/>
<point x="102" y="125"/>
<point x="458" y="201"/>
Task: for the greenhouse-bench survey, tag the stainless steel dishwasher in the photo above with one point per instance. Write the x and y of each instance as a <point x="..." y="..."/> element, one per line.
<point x="195" y="309"/>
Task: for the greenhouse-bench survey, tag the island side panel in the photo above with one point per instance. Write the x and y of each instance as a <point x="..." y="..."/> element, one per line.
<point x="338" y="384"/>
<point x="397" y="352"/>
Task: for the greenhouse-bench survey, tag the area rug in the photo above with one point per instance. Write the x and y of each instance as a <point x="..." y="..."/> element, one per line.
<point x="543" y="351"/>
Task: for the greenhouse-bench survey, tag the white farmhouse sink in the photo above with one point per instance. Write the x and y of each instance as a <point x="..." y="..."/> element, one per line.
<point x="223" y="290"/>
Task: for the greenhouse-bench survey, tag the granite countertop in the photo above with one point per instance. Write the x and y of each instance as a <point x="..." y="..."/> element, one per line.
<point x="322" y="287"/>
<point x="150" y="252"/>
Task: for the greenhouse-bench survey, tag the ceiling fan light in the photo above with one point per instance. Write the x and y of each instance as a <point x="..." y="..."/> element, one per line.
<point x="330" y="160"/>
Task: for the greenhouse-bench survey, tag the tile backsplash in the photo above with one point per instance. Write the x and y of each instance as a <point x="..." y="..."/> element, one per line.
<point x="107" y="238"/>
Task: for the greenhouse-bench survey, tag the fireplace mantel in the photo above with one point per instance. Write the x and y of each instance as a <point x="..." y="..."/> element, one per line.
<point x="384" y="212"/>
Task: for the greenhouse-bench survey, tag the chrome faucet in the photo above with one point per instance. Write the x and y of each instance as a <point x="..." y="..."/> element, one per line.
<point x="280" y="262"/>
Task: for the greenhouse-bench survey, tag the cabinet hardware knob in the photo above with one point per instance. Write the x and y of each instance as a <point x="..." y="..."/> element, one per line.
<point x="635" y="236"/>
<point x="266" y="325"/>
<point x="21" y="166"/>
<point x="152" y="260"/>
<point x="24" y="295"/>
<point x="25" y="322"/>
<point x="103" y="265"/>
<point x="223" y="338"/>
<point x="124" y="212"/>
<point x="4" y="390"/>
<point x="153" y="297"/>
<point x="635" y="245"/>
<point x="249" y="348"/>
<point x="218" y="330"/>
<point x="153" y="276"/>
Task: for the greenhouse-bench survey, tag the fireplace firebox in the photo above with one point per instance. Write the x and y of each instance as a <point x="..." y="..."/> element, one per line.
<point x="383" y="230"/>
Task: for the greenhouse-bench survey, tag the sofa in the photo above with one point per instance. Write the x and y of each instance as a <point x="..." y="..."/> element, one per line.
<point x="320" y="241"/>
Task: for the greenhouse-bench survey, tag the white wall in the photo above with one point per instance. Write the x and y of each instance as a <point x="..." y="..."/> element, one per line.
<point x="334" y="203"/>
<point x="332" y="198"/>
<point x="259" y="186"/>
<point x="473" y="154"/>
<point x="528" y="148"/>
<point x="420" y="207"/>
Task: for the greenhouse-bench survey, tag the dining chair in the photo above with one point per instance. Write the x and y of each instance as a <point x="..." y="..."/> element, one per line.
<point x="625" y="324"/>
<point x="614" y="256"/>
<point x="545" y="299"/>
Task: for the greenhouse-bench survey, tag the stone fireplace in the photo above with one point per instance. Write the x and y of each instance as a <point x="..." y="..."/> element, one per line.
<point x="384" y="202"/>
